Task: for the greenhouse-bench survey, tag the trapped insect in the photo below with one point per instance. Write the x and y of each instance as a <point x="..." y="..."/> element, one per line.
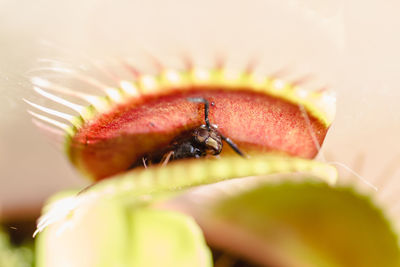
<point x="200" y="142"/>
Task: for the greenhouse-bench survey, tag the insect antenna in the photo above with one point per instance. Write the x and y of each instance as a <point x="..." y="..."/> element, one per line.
<point x="206" y="108"/>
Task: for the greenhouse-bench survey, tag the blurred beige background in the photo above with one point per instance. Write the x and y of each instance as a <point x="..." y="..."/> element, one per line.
<point x="352" y="46"/>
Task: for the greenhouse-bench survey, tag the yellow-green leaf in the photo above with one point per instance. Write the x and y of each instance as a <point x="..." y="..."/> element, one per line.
<point x="310" y="224"/>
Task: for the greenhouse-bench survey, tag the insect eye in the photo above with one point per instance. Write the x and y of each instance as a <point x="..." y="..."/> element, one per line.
<point x="201" y="135"/>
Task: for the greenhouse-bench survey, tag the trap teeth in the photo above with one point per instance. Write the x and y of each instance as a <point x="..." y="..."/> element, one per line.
<point x="279" y="85"/>
<point x="200" y="76"/>
<point x="130" y="88"/>
<point x="50" y="111"/>
<point x="114" y="94"/>
<point x="231" y="78"/>
<point x="171" y="77"/>
<point x="148" y="84"/>
<point x="78" y="108"/>
<point x="301" y="92"/>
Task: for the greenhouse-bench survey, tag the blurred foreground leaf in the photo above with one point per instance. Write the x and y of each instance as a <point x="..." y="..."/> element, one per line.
<point x="303" y="223"/>
<point x="114" y="233"/>
<point x="309" y="224"/>
<point x="14" y="256"/>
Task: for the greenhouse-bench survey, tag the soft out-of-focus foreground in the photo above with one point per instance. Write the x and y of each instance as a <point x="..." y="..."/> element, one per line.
<point x="349" y="47"/>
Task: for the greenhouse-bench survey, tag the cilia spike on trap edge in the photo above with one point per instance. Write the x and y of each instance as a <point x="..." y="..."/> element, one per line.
<point x="157" y="118"/>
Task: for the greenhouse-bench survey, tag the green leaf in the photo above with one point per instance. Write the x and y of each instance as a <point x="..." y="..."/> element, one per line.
<point x="183" y="174"/>
<point x="11" y="256"/>
<point x="309" y="224"/>
<point x="114" y="233"/>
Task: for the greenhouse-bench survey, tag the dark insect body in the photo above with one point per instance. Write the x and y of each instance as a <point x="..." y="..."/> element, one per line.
<point x="200" y="142"/>
<point x="205" y="140"/>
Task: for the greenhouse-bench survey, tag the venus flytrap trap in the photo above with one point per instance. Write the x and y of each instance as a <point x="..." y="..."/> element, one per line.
<point x="154" y="117"/>
<point x="128" y="141"/>
<point x="114" y="233"/>
<point x="302" y="224"/>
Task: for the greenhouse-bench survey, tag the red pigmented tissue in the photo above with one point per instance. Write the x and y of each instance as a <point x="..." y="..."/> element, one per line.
<point x="110" y="143"/>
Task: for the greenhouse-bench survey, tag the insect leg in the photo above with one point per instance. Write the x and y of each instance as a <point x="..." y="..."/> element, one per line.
<point x="232" y="145"/>
<point x="166" y="158"/>
<point x="144" y="162"/>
